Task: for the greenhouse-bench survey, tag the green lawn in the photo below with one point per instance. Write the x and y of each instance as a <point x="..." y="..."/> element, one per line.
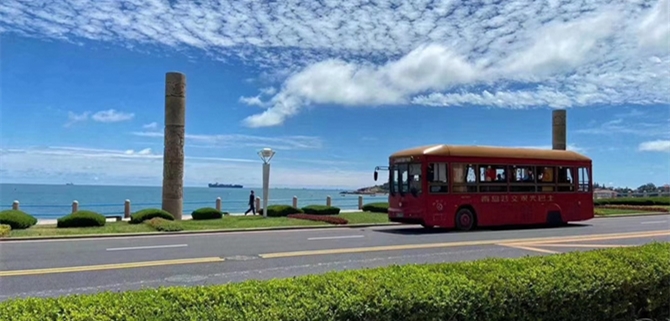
<point x="228" y="222"/>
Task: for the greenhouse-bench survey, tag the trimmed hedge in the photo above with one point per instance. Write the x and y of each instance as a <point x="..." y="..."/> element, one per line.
<point x="635" y="208"/>
<point x="206" y="213"/>
<point x="280" y="210"/>
<point x="5" y="230"/>
<point x="163" y="225"/>
<point x="381" y="207"/>
<point x="612" y="284"/>
<point x="321" y="210"/>
<point x="18" y="220"/>
<point x="149" y="213"/>
<point x="81" y="219"/>
<point x="661" y="200"/>
<point x="320" y="218"/>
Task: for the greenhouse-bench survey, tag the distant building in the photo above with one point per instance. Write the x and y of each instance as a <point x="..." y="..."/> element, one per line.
<point x="604" y="193"/>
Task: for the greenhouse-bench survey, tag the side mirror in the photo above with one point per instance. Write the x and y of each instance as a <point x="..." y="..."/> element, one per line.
<point x="376" y="175"/>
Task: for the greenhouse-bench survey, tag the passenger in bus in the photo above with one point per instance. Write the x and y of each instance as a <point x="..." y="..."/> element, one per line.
<point x="490" y="174"/>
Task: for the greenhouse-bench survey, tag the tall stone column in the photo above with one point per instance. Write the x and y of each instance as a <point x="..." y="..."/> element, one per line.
<point x="558" y="128"/>
<point x="173" y="153"/>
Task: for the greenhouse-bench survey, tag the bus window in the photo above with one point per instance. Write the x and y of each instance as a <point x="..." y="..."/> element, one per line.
<point x="415" y="178"/>
<point x="522" y="179"/>
<point x="437" y="178"/>
<point x="584" y="180"/>
<point x="403" y="178"/>
<point x="492" y="178"/>
<point x="465" y="178"/>
<point x="546" y="178"/>
<point x="564" y="178"/>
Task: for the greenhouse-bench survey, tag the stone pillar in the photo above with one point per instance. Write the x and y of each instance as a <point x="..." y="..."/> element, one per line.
<point x="75" y="206"/>
<point x="15" y="205"/>
<point x="559" y="132"/>
<point x="173" y="153"/>
<point x="328" y="201"/>
<point x="258" y="204"/>
<point x="126" y="209"/>
<point x="218" y="204"/>
<point x="295" y="201"/>
<point x="360" y="202"/>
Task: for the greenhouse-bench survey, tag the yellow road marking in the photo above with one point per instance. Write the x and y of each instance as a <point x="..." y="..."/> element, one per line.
<point x="583" y="245"/>
<point x="109" y="266"/>
<point x="522" y="242"/>
<point x="528" y="248"/>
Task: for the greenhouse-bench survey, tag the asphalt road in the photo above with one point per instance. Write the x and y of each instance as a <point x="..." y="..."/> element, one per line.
<point x="62" y="267"/>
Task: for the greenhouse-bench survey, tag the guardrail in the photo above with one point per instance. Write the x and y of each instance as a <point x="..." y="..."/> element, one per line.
<point x="232" y="206"/>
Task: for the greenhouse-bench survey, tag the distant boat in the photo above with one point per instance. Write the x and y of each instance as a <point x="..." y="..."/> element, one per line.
<point x="69" y="184"/>
<point x="217" y="185"/>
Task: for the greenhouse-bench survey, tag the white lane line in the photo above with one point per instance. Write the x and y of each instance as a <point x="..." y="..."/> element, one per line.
<point x="146" y="247"/>
<point x="653" y="222"/>
<point x="335" y="237"/>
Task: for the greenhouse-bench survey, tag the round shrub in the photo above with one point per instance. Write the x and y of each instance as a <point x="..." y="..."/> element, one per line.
<point x="17" y="220"/>
<point x="280" y="210"/>
<point x="380" y="207"/>
<point x="149" y="213"/>
<point x="5" y="230"/>
<point x="206" y="213"/>
<point x="82" y="219"/>
<point x="321" y="210"/>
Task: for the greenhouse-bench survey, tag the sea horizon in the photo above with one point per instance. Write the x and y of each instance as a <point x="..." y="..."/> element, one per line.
<point x="50" y="201"/>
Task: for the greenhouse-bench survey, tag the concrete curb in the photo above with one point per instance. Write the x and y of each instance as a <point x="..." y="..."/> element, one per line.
<point x="632" y="214"/>
<point x="221" y="231"/>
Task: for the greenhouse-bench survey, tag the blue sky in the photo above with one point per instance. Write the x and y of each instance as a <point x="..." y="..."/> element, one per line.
<point x="334" y="88"/>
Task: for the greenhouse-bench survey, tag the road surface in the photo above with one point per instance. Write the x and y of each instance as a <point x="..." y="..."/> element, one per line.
<point x="62" y="267"/>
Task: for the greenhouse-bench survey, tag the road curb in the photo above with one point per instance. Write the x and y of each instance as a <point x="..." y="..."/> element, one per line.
<point x="632" y="214"/>
<point x="221" y="231"/>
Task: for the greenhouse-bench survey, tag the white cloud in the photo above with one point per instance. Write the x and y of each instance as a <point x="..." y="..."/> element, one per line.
<point x="649" y="128"/>
<point x="238" y="140"/>
<point x="440" y="53"/>
<point x="655" y="146"/>
<point x="153" y="125"/>
<point x="76" y="118"/>
<point x="112" y="116"/>
<point x="59" y="164"/>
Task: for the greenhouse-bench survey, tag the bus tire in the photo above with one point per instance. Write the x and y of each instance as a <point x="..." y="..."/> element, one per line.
<point x="554" y="219"/>
<point x="465" y="219"/>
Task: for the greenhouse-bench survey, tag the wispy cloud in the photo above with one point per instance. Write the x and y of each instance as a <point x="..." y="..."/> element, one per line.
<point x="506" y="54"/>
<point x="103" y="116"/>
<point x="112" y="116"/>
<point x="619" y="126"/>
<point x="238" y="140"/>
<point x="145" y="166"/>
<point x="655" y="146"/>
<point x="153" y="125"/>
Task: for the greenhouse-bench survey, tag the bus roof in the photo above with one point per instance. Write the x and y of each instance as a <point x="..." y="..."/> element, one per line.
<point x="491" y="152"/>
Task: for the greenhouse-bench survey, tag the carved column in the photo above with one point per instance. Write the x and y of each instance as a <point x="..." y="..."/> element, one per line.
<point x="559" y="132"/>
<point x="173" y="153"/>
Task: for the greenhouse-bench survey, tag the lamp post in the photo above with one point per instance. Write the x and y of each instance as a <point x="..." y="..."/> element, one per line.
<point x="266" y="155"/>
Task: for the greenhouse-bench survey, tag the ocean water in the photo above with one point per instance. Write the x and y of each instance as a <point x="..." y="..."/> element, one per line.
<point x="54" y="201"/>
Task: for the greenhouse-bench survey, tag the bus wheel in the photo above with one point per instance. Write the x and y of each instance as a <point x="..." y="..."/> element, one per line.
<point x="465" y="219"/>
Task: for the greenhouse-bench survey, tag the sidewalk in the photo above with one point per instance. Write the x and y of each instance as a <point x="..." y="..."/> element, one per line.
<point x="184" y="217"/>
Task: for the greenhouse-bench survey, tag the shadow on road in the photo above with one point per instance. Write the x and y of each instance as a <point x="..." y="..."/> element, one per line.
<point x="418" y="230"/>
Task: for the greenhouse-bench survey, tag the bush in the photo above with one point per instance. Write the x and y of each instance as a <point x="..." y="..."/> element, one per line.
<point x="661" y="200"/>
<point x="635" y="208"/>
<point x="163" y="225"/>
<point x="380" y="207"/>
<point x="17" y="220"/>
<point x="612" y="284"/>
<point x="149" y="213"/>
<point x="319" y="218"/>
<point x="81" y="219"/>
<point x="321" y="210"/>
<point x="206" y="213"/>
<point x="280" y="210"/>
<point x="5" y="230"/>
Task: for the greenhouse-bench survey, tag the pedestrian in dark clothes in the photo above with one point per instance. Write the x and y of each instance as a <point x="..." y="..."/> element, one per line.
<point x="252" y="203"/>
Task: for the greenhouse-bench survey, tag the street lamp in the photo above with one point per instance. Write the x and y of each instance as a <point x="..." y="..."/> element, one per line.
<point x="266" y="155"/>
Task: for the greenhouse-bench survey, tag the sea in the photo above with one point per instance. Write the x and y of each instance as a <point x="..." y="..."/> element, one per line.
<point x="54" y="201"/>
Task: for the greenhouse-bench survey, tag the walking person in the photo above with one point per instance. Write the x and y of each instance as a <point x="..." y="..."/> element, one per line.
<point x="252" y="202"/>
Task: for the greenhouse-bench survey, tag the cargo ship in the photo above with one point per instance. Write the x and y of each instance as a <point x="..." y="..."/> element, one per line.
<point x="217" y="185"/>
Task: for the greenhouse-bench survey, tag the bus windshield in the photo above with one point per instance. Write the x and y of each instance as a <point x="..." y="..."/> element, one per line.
<point x="405" y="178"/>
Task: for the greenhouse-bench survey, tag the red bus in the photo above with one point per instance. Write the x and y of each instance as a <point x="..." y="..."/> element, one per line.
<point x="464" y="187"/>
